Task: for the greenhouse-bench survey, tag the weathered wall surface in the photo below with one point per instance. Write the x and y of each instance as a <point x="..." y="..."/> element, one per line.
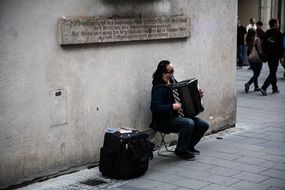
<point x="55" y="102"/>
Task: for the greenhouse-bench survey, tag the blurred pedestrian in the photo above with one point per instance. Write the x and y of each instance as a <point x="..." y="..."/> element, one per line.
<point x="283" y="60"/>
<point x="254" y="52"/>
<point x="251" y="24"/>
<point x="259" y="31"/>
<point x="272" y="46"/>
<point x="241" y="31"/>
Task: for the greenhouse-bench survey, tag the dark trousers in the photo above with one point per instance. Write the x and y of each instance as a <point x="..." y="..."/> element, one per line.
<point x="190" y="131"/>
<point x="240" y="52"/>
<point x="256" y="68"/>
<point x="271" y="79"/>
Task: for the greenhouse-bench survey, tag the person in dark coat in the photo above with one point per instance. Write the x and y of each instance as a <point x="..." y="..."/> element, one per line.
<point x="259" y="30"/>
<point x="273" y="49"/>
<point x="241" y="31"/>
<point x="165" y="117"/>
<point x="283" y="59"/>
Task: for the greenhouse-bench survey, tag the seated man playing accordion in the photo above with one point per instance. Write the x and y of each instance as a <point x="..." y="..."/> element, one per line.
<point x="165" y="113"/>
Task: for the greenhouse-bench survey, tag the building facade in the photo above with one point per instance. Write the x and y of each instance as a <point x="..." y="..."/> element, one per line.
<point x="57" y="100"/>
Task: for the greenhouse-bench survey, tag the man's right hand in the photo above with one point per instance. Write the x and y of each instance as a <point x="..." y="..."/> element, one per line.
<point x="176" y="106"/>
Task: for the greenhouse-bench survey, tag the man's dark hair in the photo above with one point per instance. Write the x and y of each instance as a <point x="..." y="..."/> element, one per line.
<point x="250" y="37"/>
<point x="273" y="22"/>
<point x="251" y="20"/>
<point x="259" y="23"/>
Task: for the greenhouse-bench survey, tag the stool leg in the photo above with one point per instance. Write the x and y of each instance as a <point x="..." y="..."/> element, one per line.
<point x="159" y="152"/>
<point x="162" y="142"/>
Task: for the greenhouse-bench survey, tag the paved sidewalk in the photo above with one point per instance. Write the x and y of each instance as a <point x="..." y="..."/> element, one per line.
<point x="249" y="156"/>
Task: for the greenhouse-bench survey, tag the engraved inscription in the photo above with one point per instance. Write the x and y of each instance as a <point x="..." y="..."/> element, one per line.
<point x="98" y="30"/>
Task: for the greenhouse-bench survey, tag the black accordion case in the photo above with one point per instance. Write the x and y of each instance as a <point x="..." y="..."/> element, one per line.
<point x="190" y="98"/>
<point x="125" y="155"/>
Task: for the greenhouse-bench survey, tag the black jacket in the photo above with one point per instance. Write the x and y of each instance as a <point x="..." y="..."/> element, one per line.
<point x="272" y="44"/>
<point x="241" y="31"/>
<point x="161" y="107"/>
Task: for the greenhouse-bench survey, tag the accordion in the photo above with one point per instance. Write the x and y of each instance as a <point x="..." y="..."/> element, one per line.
<point x="189" y="97"/>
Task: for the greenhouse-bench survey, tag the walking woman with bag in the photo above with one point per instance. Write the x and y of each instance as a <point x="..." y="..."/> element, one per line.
<point x="255" y="58"/>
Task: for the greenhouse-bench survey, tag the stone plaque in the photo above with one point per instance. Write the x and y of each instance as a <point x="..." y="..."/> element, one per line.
<point x="101" y="30"/>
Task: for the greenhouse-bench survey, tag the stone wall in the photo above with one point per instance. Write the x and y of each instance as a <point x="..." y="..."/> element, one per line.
<point x="56" y="101"/>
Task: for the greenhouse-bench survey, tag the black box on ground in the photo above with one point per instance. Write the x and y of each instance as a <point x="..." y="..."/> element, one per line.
<point x="125" y="155"/>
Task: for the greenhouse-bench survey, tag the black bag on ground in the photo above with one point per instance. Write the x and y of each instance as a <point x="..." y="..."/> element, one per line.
<point x="126" y="155"/>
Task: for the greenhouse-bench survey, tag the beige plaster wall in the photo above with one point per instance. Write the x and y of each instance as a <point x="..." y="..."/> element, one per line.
<point x="101" y="85"/>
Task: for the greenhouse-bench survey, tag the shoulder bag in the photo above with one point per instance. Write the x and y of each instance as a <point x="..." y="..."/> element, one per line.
<point x="254" y="56"/>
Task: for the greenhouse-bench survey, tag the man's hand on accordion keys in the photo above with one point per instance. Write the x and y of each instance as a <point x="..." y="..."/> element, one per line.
<point x="176" y="106"/>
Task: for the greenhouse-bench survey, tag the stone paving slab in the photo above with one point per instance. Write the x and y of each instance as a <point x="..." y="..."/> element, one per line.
<point x="143" y="184"/>
<point x="246" y="185"/>
<point x="256" y="178"/>
<point x="216" y="187"/>
<point x="250" y="156"/>
<point x="221" y="171"/>
<point x="274" y="182"/>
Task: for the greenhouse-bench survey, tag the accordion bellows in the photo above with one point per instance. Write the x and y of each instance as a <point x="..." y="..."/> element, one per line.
<point x="189" y="97"/>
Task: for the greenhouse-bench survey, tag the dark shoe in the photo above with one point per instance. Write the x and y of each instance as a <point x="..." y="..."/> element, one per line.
<point x="184" y="155"/>
<point x="275" y="91"/>
<point x="246" y="87"/>
<point x="256" y="89"/>
<point x="194" y="151"/>
<point x="263" y="92"/>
